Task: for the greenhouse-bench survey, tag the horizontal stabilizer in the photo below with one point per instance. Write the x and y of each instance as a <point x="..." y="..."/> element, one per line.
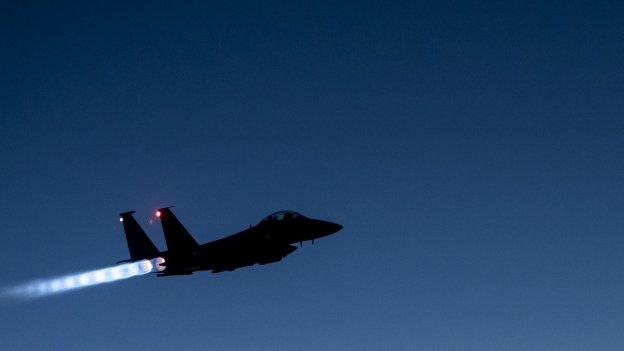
<point x="172" y="274"/>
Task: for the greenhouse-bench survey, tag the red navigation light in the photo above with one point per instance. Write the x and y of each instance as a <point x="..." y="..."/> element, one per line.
<point x="158" y="214"/>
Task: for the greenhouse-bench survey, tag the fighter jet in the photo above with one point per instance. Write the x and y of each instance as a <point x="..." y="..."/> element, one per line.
<point x="272" y="239"/>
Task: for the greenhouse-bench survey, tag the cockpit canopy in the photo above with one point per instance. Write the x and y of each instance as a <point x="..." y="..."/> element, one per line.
<point x="282" y="215"/>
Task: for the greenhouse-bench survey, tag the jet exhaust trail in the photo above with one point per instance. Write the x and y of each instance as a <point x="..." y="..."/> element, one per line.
<point x="75" y="281"/>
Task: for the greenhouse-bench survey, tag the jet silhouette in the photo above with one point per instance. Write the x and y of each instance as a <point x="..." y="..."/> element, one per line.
<point x="269" y="241"/>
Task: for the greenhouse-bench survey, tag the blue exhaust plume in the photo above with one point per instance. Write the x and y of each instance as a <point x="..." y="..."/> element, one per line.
<point x="75" y="281"/>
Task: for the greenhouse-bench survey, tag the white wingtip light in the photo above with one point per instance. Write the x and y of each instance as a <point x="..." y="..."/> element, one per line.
<point x="121" y="219"/>
<point x="158" y="214"/>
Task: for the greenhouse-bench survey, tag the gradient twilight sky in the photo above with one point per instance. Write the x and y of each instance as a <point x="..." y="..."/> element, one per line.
<point x="473" y="151"/>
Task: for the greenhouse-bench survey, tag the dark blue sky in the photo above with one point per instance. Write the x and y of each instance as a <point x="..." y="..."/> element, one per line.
<point x="473" y="151"/>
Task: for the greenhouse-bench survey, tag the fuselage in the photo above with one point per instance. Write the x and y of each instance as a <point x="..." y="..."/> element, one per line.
<point x="269" y="241"/>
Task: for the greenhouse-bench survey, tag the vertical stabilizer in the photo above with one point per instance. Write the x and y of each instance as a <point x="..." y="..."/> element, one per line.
<point x="179" y="240"/>
<point x="139" y="244"/>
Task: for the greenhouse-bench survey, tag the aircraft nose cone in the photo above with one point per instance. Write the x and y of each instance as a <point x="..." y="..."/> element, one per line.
<point x="333" y="227"/>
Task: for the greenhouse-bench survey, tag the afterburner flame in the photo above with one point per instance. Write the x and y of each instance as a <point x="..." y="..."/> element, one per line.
<point x="75" y="281"/>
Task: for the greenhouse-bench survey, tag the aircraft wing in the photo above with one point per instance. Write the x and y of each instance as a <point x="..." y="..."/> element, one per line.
<point x="239" y="251"/>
